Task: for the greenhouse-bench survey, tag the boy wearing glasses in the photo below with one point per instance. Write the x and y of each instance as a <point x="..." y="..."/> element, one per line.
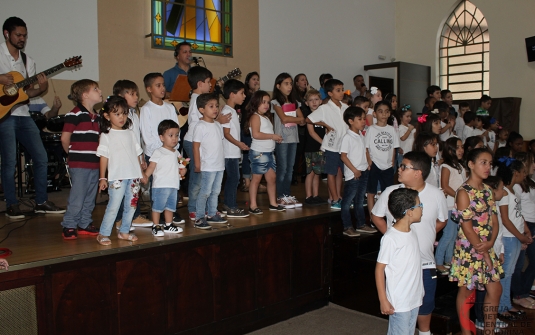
<point x="399" y="260"/>
<point x="413" y="171"/>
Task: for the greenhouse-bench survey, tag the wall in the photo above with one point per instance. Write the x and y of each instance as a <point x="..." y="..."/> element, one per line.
<point x="316" y="36"/>
<point x="418" y="25"/>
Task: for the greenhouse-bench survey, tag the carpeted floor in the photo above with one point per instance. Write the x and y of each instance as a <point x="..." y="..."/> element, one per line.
<point x="332" y="319"/>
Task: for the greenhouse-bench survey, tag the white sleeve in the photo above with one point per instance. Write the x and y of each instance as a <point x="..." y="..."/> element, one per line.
<point x="198" y="132"/>
<point x="103" y="149"/>
<point x="442" y="207"/>
<point x="386" y="250"/>
<point x="367" y="137"/>
<point x="139" y="151"/>
<point x="226" y="111"/>
<point x="345" y="147"/>
<point x="156" y="155"/>
<point x="381" y="206"/>
<point x="317" y="115"/>
<point x="149" y="132"/>
<point x="396" y="143"/>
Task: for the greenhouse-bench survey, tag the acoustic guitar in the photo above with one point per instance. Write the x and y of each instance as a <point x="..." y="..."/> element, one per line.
<point x="11" y="95"/>
<point x="181" y="89"/>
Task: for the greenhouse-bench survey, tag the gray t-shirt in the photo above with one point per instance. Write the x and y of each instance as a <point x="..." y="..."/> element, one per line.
<point x="289" y="134"/>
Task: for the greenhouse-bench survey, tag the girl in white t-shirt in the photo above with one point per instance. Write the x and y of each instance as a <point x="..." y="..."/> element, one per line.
<point x="258" y="124"/>
<point x="119" y="153"/>
<point x="515" y="233"/>
<point x="406" y="132"/>
<point x="374" y="95"/>
<point x="452" y="176"/>
<point x="428" y="143"/>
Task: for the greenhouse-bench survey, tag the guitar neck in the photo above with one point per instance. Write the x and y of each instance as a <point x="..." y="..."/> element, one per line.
<point x="33" y="79"/>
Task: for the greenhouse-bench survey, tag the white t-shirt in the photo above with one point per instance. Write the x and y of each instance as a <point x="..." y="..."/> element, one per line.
<point x="193" y="117"/>
<point x="266" y="127"/>
<point x="459" y="126"/>
<point x="134" y="126"/>
<point x="333" y="116"/>
<point x="122" y="151"/>
<point x="166" y="174"/>
<point x="435" y="207"/>
<point x="210" y="135"/>
<point x="455" y="181"/>
<point x="231" y="150"/>
<point x="515" y="212"/>
<point x="527" y="200"/>
<point x="403" y="271"/>
<point x="492" y="140"/>
<point x="8" y="64"/>
<point x="447" y="134"/>
<point x="406" y="145"/>
<point x="370" y="112"/>
<point x="467" y="132"/>
<point x="478" y="132"/>
<point x="381" y="142"/>
<point x="353" y="146"/>
<point x="151" y="116"/>
<point x="498" y="244"/>
<point x="434" y="175"/>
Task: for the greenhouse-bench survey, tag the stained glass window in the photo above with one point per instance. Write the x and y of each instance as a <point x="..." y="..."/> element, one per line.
<point x="464" y="53"/>
<point x="206" y="24"/>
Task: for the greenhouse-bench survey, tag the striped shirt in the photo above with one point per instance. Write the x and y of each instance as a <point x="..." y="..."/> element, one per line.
<point x="85" y="130"/>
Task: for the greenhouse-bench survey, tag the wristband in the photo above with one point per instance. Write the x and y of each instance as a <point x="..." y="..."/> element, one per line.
<point x="102" y="179"/>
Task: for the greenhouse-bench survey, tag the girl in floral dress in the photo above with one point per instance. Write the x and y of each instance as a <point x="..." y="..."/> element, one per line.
<point x="474" y="264"/>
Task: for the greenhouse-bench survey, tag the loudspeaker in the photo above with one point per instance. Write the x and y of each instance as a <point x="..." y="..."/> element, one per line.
<point x="18" y="311"/>
<point x="530" y="48"/>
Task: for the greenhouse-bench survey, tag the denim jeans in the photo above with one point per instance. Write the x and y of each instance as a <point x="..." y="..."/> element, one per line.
<point x="445" y="247"/>
<point x="23" y="129"/>
<point x="208" y="193"/>
<point x="511" y="247"/>
<point x="403" y="323"/>
<point x="194" y="183"/>
<point x="521" y="282"/>
<point x="115" y="201"/>
<point x="81" y="200"/>
<point x="354" y="191"/>
<point x="232" y="168"/>
<point x="246" y="163"/>
<point x="285" y="154"/>
<point x="119" y="217"/>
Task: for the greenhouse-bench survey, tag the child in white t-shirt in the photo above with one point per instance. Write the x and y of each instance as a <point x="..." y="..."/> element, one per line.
<point x="399" y="261"/>
<point x="164" y="168"/>
<point x="406" y="133"/>
<point x="381" y="143"/>
<point x="209" y="159"/>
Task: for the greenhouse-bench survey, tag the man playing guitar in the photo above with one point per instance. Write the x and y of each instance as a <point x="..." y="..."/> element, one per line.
<point x="183" y="63"/>
<point x="19" y="125"/>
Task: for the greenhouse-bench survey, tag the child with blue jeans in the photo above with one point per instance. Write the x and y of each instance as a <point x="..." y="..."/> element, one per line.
<point x="353" y="154"/>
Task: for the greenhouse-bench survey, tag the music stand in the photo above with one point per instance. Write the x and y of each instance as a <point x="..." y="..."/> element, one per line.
<point x="181" y="89"/>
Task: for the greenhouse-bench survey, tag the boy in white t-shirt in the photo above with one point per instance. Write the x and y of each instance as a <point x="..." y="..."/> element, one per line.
<point x="469" y="123"/>
<point x="413" y="170"/>
<point x="381" y="143"/>
<point x="209" y="159"/>
<point x="459" y="122"/>
<point x="166" y="174"/>
<point x="353" y="154"/>
<point x="399" y="261"/>
<point x="234" y="92"/>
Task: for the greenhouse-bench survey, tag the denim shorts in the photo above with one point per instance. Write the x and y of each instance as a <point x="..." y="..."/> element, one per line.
<point x="332" y="163"/>
<point x="164" y="199"/>
<point x="430" y="287"/>
<point x="261" y="162"/>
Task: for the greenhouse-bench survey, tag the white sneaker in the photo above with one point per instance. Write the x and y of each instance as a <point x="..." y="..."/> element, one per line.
<point x="285" y="202"/>
<point x="296" y="203"/>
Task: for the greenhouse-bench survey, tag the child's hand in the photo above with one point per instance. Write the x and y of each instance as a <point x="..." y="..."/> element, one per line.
<point x="3" y="264"/>
<point x="411" y="127"/>
<point x="243" y="146"/>
<point x="144" y="179"/>
<point x="400" y="151"/>
<point x="357" y="174"/>
<point x="102" y="185"/>
<point x="501" y="258"/>
<point x="223" y="119"/>
<point x="277" y="138"/>
<point x="387" y="308"/>
<point x="329" y="129"/>
<point x="488" y="261"/>
<point x="483" y="247"/>
<point x="182" y="172"/>
<point x="57" y="102"/>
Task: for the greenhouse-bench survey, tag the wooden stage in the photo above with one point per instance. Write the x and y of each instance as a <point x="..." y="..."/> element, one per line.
<point x="228" y="280"/>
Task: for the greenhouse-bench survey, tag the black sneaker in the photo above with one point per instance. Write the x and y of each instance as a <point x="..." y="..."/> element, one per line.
<point x="177" y="218"/>
<point x="171" y="229"/>
<point x="48" y="207"/>
<point x="202" y="224"/>
<point x="216" y="219"/>
<point x="89" y="230"/>
<point x="320" y="201"/>
<point x="14" y="212"/>
<point x="277" y="208"/>
<point x="237" y="213"/>
<point x="70" y="234"/>
<point x="157" y="230"/>
<point x="310" y="201"/>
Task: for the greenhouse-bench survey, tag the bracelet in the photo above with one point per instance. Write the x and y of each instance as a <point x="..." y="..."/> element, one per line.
<point x="102" y="179"/>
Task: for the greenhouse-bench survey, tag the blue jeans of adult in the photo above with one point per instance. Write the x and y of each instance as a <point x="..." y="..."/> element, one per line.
<point x="446" y="244"/>
<point x="285" y="153"/>
<point x="232" y="168"/>
<point x="402" y="323"/>
<point x="81" y="200"/>
<point x="24" y="130"/>
<point x="354" y="191"/>
<point x="511" y="247"/>
<point x="194" y="183"/>
<point x="117" y="195"/>
<point x="246" y="163"/>
<point x="208" y="193"/>
<point x="521" y="282"/>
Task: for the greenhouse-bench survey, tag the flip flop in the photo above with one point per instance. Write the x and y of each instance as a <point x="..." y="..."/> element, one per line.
<point x="131" y="237"/>
<point x="103" y="240"/>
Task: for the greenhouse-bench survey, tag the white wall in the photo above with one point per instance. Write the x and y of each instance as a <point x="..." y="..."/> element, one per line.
<point x="419" y="22"/>
<point x="317" y="36"/>
<point x="58" y="30"/>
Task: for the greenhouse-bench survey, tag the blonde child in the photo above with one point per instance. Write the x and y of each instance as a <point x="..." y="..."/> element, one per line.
<point x="259" y="125"/>
<point x="374" y="95"/>
<point x="120" y="154"/>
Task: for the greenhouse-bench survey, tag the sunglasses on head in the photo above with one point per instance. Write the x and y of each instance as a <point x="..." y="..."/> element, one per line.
<point x="414" y="207"/>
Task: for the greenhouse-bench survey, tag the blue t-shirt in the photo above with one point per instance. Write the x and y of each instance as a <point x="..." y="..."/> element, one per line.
<point x="169" y="77"/>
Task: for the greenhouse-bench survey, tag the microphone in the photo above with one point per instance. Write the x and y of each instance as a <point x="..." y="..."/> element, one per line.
<point x="194" y="59"/>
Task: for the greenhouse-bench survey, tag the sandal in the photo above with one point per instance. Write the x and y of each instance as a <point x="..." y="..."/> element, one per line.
<point x="524" y="302"/>
<point x="103" y="240"/>
<point x="131" y="237"/>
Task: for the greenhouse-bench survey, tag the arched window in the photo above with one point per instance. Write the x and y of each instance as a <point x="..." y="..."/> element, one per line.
<point x="206" y="24"/>
<point x="464" y="53"/>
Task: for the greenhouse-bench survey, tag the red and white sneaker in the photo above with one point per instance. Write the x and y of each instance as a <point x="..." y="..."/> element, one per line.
<point x="192" y="216"/>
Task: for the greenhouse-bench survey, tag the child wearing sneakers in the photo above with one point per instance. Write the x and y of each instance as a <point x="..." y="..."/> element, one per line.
<point x="209" y="161"/>
<point x="353" y="154"/>
<point x="234" y="92"/>
<point x="331" y="115"/>
<point x="399" y="261"/>
<point x="166" y="178"/>
<point x="79" y="139"/>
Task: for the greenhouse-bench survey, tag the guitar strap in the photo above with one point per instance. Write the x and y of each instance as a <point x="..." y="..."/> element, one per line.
<point x="24" y="60"/>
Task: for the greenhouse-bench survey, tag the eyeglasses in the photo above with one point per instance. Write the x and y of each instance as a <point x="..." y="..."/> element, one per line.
<point x="414" y="207"/>
<point x="403" y="167"/>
